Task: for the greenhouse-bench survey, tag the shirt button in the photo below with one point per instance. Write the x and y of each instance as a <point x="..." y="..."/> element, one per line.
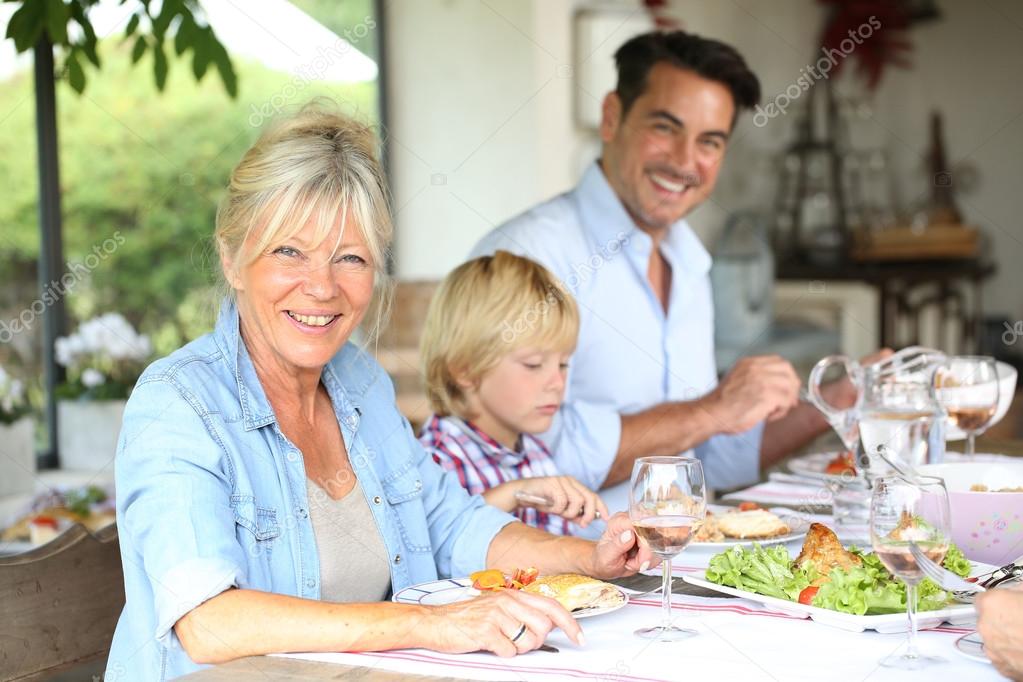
<point x="377" y="500"/>
<point x="304" y="513"/>
<point x="419" y="485"/>
<point x="397" y="558"/>
<point x="310" y="583"/>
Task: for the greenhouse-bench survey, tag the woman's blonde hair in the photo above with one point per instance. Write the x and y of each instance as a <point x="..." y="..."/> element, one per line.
<point x="485" y="309"/>
<point x="315" y="164"/>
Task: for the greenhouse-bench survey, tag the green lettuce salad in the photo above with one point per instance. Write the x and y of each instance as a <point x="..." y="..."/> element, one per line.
<point x="864" y="590"/>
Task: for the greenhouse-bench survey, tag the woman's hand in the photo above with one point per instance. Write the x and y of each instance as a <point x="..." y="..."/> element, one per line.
<point x="490" y="623"/>
<point x="1000" y="623"/>
<point x="619" y="552"/>
<point x="570" y="498"/>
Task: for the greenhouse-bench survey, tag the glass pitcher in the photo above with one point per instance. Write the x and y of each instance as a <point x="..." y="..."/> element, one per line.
<point x="895" y="406"/>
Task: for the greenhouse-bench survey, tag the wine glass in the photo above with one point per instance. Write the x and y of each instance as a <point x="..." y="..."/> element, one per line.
<point x="667" y="504"/>
<point x="967" y="387"/>
<point x="902" y="513"/>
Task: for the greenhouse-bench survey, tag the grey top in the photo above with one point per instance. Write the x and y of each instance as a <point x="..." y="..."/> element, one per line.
<point x="353" y="558"/>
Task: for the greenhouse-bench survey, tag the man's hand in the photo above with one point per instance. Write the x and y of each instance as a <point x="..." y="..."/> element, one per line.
<point x="757" y="388"/>
<point x="1000" y="623"/>
<point x="619" y="552"/>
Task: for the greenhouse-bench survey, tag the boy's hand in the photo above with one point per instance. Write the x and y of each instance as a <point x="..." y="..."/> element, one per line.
<point x="569" y="498"/>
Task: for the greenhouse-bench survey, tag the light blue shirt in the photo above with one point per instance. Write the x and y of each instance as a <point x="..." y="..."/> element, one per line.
<point x="631" y="355"/>
<point x="211" y="494"/>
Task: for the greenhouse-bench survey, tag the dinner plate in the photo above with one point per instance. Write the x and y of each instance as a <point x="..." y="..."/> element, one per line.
<point x="452" y="590"/>
<point x="885" y="623"/>
<point x="797" y="524"/>
<point x="814" y="465"/>
<point x="955" y="614"/>
<point x="972" y="646"/>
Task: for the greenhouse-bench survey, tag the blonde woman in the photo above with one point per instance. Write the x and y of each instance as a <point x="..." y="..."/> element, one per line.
<point x="270" y="495"/>
<point x="495" y="349"/>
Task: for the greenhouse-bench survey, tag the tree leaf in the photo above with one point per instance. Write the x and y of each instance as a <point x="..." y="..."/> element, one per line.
<point x="26" y="25"/>
<point x="200" y="57"/>
<point x="133" y="24"/>
<point x="75" y="74"/>
<point x="163" y="19"/>
<point x="224" y="67"/>
<point x="138" y="50"/>
<point x="186" y="31"/>
<point x="56" y="21"/>
<point x="159" y="65"/>
<point x="89" y="42"/>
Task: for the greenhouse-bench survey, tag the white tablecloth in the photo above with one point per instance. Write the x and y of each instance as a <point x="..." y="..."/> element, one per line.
<point x="738" y="640"/>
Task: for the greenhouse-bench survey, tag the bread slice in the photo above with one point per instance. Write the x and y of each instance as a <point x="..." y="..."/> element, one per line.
<point x="576" y="592"/>
<point x="757" y="524"/>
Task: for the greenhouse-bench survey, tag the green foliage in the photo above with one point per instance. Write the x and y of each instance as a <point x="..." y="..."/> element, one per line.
<point x="141" y="176"/>
<point x="353" y="20"/>
<point x="175" y="20"/>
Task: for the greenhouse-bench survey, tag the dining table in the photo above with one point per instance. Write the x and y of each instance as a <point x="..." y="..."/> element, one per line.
<point x="738" y="638"/>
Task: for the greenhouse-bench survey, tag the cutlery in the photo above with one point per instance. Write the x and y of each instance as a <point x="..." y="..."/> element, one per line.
<point x="945" y="578"/>
<point x="540" y="501"/>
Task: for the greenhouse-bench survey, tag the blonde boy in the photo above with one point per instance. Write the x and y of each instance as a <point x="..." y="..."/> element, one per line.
<point x="495" y="349"/>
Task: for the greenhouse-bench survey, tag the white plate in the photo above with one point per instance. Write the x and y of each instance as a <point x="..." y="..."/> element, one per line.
<point x="972" y="646"/>
<point x="16" y="547"/>
<point x="452" y="590"/>
<point x="797" y="524"/>
<point x="814" y="465"/>
<point x="885" y="623"/>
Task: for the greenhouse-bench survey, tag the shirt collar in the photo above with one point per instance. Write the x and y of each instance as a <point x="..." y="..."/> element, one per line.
<point x="256" y="409"/>
<point x="605" y="219"/>
<point x="495" y="451"/>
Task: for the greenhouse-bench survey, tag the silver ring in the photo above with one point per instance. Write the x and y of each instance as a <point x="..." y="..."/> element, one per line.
<point x="522" y="631"/>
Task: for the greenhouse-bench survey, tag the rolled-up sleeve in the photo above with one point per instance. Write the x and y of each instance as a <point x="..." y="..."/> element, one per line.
<point x="461" y="525"/>
<point x="174" y="509"/>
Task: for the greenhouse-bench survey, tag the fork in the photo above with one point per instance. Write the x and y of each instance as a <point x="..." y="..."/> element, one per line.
<point x="945" y="578"/>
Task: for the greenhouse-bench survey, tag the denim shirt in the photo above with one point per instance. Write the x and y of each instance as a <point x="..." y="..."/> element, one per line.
<point x="211" y="494"/>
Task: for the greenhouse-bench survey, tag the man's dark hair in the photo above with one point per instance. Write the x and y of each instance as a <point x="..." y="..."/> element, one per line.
<point x="708" y="58"/>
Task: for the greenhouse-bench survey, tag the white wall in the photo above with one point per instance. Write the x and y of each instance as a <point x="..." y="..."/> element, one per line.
<point x="481" y="100"/>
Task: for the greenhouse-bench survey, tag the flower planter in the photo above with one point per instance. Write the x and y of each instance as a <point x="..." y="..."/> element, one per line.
<point x="17" y="457"/>
<point x="87" y="432"/>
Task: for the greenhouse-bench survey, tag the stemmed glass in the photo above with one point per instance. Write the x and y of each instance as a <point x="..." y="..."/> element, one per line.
<point x="902" y="513"/>
<point x="967" y="387"/>
<point x="667" y="504"/>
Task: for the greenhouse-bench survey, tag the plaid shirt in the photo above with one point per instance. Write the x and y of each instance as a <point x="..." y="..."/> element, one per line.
<point x="481" y="463"/>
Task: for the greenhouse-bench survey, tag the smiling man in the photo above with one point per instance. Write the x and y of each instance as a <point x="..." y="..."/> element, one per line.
<point x="643" y="379"/>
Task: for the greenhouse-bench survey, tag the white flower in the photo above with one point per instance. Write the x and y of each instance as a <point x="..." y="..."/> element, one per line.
<point x="93" y="377"/>
<point x="62" y="349"/>
<point x="12" y="392"/>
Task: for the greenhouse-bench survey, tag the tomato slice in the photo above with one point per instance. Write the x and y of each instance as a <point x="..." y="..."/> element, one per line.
<point x="44" y="520"/>
<point x="525" y="576"/>
<point x="807" y="595"/>
<point x="748" y="506"/>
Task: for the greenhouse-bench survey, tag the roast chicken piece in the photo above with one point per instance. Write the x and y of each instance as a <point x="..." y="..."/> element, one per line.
<point x="823" y="549"/>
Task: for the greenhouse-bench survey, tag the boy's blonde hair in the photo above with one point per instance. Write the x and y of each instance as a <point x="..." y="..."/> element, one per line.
<point x="483" y="310"/>
<point x="317" y="163"/>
